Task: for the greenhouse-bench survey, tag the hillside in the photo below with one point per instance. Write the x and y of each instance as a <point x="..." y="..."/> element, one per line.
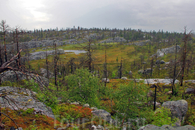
<point x="103" y="76"/>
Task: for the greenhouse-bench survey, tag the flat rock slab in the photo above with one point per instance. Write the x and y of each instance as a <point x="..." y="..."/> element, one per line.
<point x="17" y="75"/>
<point x="20" y="98"/>
<point x="155" y="81"/>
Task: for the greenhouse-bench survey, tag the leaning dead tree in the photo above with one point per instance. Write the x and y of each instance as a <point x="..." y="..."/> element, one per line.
<point x="7" y="65"/>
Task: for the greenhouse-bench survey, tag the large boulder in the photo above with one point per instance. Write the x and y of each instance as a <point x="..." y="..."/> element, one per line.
<point x="124" y="78"/>
<point x="160" y="62"/>
<point x="164" y="51"/>
<point x="20" y="98"/>
<point x="103" y="114"/>
<point x="146" y="71"/>
<point x="178" y="108"/>
<point x="190" y="91"/>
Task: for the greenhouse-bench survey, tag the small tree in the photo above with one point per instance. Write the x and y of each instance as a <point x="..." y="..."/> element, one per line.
<point x="129" y="98"/>
<point x="83" y="87"/>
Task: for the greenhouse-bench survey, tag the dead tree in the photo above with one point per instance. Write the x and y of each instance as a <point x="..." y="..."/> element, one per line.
<point x="4" y="29"/>
<point x="151" y="66"/>
<point x="105" y="69"/>
<point x="89" y="50"/>
<point x="186" y="38"/>
<point x="1" y="61"/>
<point x="17" y="45"/>
<point x="154" y="86"/>
<point x="174" y="71"/>
<point x="72" y="65"/>
<point x="120" y="69"/>
<point x="47" y="65"/>
<point x="56" y="58"/>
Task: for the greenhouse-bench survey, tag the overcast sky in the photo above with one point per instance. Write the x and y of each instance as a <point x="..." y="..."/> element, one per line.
<point x="169" y="15"/>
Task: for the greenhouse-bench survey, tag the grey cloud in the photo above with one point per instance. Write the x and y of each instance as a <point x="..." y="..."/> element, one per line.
<point x="171" y="15"/>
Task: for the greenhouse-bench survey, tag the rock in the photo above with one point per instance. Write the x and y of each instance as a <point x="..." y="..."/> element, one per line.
<point x="60" y="51"/>
<point x="24" y="100"/>
<point x="124" y="78"/>
<point x="164" y="81"/>
<point x="44" y="73"/>
<point x="190" y="81"/>
<point x="142" y="43"/>
<point x="152" y="103"/>
<point x="104" y="80"/>
<point x="167" y="63"/>
<point x="169" y="92"/>
<point x="116" y="39"/>
<point x="103" y="114"/>
<point x="75" y="103"/>
<point x="162" y="62"/>
<point x="178" y="108"/>
<point x="19" y="128"/>
<point x="99" y="127"/>
<point x="148" y="71"/>
<point x="166" y="127"/>
<point x="130" y="73"/>
<point x="150" y="127"/>
<point x="37" y="55"/>
<point x="12" y="77"/>
<point x="42" y="54"/>
<point x="86" y="105"/>
<point x="190" y="91"/>
<point x="141" y="71"/>
<point x="94" y="108"/>
<point x="162" y="52"/>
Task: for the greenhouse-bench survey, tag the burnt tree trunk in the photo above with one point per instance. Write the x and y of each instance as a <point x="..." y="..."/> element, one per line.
<point x="174" y="71"/>
<point x="186" y="36"/>
<point x="5" y="50"/>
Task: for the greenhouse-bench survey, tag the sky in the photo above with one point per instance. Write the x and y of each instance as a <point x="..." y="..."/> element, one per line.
<point x="147" y="15"/>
